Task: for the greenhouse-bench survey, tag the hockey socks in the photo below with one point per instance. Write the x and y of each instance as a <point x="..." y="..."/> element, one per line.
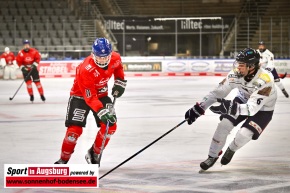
<point x="70" y="141"/>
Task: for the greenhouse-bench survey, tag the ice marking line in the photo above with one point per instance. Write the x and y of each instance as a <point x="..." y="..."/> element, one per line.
<point x="8" y="116"/>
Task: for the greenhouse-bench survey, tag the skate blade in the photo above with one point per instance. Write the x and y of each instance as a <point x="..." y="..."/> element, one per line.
<point x="201" y="171"/>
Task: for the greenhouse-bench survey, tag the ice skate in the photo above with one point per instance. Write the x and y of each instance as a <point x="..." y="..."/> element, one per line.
<point x="285" y="93"/>
<point x="92" y="157"/>
<point x="31" y="98"/>
<point x="227" y="157"/>
<point x="209" y="162"/>
<point x="60" y="161"/>
<point x="42" y="98"/>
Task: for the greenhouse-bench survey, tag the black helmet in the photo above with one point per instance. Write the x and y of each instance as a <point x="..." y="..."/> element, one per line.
<point x="261" y="43"/>
<point x="249" y="56"/>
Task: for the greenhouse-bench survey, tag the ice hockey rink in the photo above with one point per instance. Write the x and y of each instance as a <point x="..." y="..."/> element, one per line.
<point x="33" y="134"/>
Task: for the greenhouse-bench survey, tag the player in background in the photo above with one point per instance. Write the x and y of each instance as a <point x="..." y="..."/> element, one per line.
<point x="9" y="63"/>
<point x="267" y="62"/>
<point x="254" y="104"/>
<point x="90" y="93"/>
<point x="28" y="59"/>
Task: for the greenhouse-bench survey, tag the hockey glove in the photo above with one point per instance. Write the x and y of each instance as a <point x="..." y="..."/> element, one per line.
<point x="226" y="107"/>
<point x="119" y="87"/>
<point x="24" y="69"/>
<point x="193" y="113"/>
<point x="105" y="116"/>
<point x="34" y="65"/>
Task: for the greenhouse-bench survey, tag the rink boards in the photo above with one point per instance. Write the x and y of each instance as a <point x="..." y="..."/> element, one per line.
<point x="153" y="66"/>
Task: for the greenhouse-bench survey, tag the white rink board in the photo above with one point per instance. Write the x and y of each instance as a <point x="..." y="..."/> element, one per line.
<point x="65" y="69"/>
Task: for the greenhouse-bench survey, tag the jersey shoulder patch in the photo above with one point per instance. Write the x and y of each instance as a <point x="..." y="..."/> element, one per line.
<point x="262" y="79"/>
<point x="265" y="77"/>
<point x="265" y="91"/>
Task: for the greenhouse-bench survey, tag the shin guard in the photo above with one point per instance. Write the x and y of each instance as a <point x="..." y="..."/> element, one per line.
<point x="70" y="141"/>
<point x="39" y="87"/>
<point x="29" y="87"/>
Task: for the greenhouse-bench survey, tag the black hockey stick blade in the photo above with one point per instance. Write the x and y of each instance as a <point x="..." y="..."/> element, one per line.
<point x="143" y="149"/>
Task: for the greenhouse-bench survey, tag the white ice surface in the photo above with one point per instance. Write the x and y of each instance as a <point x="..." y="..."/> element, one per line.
<point x="151" y="106"/>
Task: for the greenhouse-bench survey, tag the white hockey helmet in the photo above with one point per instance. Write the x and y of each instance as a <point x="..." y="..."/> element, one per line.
<point x="7" y="50"/>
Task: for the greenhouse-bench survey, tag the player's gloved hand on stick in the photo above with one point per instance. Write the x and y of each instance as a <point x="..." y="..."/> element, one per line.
<point x="193" y="113"/>
<point x="24" y="69"/>
<point x="105" y="116"/>
<point x="226" y="107"/>
<point x="34" y="65"/>
<point x="119" y="87"/>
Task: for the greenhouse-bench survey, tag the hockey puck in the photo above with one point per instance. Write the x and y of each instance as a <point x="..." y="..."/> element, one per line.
<point x="10" y="98"/>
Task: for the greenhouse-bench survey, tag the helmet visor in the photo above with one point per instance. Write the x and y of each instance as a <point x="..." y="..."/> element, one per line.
<point x="102" y="61"/>
<point x="240" y="68"/>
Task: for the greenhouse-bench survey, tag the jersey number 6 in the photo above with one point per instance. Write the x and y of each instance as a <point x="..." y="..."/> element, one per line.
<point x="259" y="100"/>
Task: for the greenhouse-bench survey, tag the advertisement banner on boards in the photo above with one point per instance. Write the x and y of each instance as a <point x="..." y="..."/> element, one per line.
<point x="58" y="68"/>
<point x="142" y="66"/>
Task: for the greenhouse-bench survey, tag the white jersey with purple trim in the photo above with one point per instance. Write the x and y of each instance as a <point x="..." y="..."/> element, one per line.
<point x="259" y="94"/>
<point x="267" y="59"/>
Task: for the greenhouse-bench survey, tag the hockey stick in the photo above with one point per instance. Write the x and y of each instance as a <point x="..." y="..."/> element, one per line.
<point x="105" y="136"/>
<point x="143" y="149"/>
<point x="11" y="98"/>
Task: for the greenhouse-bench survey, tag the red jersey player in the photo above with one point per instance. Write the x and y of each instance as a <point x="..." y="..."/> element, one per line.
<point x="90" y="93"/>
<point x="28" y="59"/>
<point x="8" y="61"/>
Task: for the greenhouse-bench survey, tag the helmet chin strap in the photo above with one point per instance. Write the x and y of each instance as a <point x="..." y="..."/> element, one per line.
<point x="251" y="73"/>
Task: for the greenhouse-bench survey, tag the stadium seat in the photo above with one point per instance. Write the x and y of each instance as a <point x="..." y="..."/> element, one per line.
<point x="49" y="11"/>
<point x="8" y="41"/>
<point x="40" y="33"/>
<point x="52" y="33"/>
<point x="14" y="12"/>
<point x="54" y="18"/>
<point x="37" y="5"/>
<point x="21" y="26"/>
<point x="5" y="33"/>
<point x="36" y="18"/>
<point x="24" y="33"/>
<point x="18" y="19"/>
<point x="31" y="11"/>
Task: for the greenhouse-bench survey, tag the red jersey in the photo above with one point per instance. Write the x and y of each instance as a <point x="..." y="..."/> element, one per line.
<point x="91" y="81"/>
<point x="8" y="57"/>
<point x="27" y="58"/>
